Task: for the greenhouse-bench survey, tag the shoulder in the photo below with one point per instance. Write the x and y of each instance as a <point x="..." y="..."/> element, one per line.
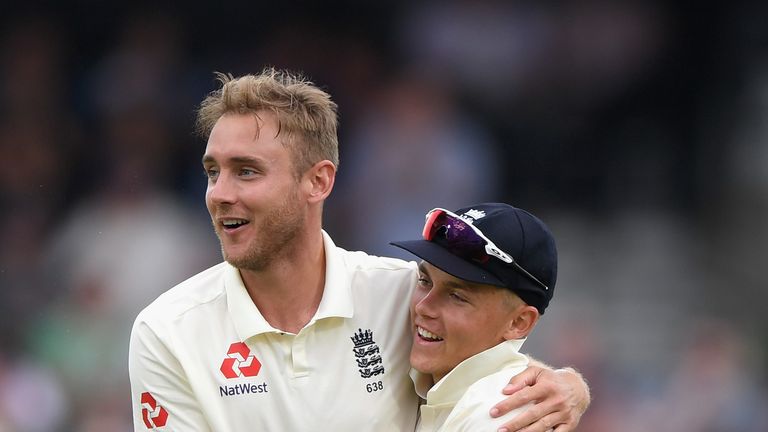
<point x="471" y="412"/>
<point x="363" y="261"/>
<point x="361" y="264"/>
<point x="198" y="290"/>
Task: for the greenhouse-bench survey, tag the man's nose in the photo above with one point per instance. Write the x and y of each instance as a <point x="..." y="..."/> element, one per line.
<point x="222" y="191"/>
<point x="427" y="306"/>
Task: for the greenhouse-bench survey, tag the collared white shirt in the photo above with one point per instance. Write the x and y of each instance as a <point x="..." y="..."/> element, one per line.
<point x="203" y="358"/>
<point x="463" y="398"/>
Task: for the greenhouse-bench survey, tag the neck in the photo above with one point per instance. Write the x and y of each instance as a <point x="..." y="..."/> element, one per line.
<point x="289" y="291"/>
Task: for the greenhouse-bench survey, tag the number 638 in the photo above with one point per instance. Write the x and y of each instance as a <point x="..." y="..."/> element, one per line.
<point x="374" y="387"/>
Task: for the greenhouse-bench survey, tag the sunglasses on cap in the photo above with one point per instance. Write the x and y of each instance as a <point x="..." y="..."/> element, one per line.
<point x="465" y="240"/>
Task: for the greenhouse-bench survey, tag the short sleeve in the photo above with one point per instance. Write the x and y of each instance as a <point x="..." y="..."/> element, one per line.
<point x="161" y="396"/>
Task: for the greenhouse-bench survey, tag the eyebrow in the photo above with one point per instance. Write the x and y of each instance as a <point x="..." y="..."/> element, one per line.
<point x="243" y="160"/>
<point x="459" y="285"/>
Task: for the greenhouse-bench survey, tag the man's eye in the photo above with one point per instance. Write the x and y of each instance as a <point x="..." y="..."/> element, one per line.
<point x="422" y="281"/>
<point x="211" y="173"/>
<point x="247" y="172"/>
<point x="458" y="297"/>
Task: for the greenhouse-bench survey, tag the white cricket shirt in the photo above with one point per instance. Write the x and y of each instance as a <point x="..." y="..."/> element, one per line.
<point x="202" y="357"/>
<point x="462" y="399"/>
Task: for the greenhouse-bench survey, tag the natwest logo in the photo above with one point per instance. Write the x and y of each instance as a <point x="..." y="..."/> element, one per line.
<point x="154" y="415"/>
<point x="240" y="362"/>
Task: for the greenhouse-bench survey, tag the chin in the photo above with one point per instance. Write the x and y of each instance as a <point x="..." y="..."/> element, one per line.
<point x="234" y="253"/>
<point x="236" y="260"/>
<point x="421" y="365"/>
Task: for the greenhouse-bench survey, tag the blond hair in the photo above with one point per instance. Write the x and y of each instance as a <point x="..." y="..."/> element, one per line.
<point x="307" y="118"/>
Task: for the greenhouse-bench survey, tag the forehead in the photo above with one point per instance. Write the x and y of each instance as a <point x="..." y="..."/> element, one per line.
<point x="249" y="126"/>
<point x="244" y="135"/>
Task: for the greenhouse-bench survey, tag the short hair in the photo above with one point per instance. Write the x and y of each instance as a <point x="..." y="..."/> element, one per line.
<point x="307" y="118"/>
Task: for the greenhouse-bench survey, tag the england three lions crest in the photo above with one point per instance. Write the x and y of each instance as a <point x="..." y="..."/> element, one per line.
<point x="367" y="354"/>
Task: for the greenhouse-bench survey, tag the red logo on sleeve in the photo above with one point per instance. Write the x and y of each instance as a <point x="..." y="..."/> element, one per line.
<point x="240" y="362"/>
<point x="153" y="414"/>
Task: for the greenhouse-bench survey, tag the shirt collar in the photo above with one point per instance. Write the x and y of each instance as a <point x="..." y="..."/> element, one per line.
<point x="337" y="291"/>
<point x="453" y="385"/>
<point x="335" y="302"/>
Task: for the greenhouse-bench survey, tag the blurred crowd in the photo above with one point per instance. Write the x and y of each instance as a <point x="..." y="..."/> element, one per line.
<point x="637" y="130"/>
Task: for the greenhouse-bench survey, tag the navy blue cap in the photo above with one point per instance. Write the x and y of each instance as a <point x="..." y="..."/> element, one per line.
<point x="515" y="231"/>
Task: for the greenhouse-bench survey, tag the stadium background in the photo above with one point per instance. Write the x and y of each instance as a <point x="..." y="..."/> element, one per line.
<point x="636" y="129"/>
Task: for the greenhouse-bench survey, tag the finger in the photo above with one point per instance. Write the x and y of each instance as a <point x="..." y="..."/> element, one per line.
<point x="528" y="417"/>
<point x="525" y="396"/>
<point x="545" y="424"/>
<point x="517" y="400"/>
<point x="526" y="378"/>
<point x="514" y="387"/>
<point x="519" y="423"/>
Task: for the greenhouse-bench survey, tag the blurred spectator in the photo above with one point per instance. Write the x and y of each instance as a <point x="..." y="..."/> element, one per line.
<point x="413" y="148"/>
<point x="33" y="67"/>
<point x="491" y="48"/>
<point x="144" y="67"/>
<point x="31" y="397"/>
<point x="116" y="252"/>
<point x="739" y="217"/>
<point x="31" y="195"/>
<point x="129" y="239"/>
<point x="712" y="387"/>
<point x="505" y="53"/>
<point x="549" y="77"/>
<point x="36" y="135"/>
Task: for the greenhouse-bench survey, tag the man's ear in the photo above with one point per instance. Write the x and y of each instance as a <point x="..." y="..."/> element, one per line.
<point x="319" y="180"/>
<point x="523" y="321"/>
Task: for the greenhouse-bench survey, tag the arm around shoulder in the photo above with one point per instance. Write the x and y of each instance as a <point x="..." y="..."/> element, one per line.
<point x="560" y="397"/>
<point x="471" y="411"/>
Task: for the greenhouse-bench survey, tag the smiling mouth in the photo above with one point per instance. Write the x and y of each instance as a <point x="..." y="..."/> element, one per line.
<point x="233" y="224"/>
<point x="427" y="335"/>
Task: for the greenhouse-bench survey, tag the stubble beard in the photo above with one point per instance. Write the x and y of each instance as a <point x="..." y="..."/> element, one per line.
<point x="276" y="232"/>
